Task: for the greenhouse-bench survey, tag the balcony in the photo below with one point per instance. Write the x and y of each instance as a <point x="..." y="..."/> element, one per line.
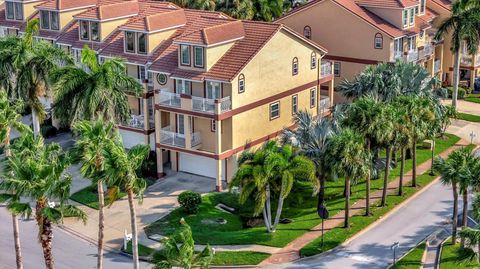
<point x="426" y="52"/>
<point x="437" y="66"/>
<point x="138" y="121"/>
<point x="168" y="137"/>
<point x="397" y="55"/>
<point x="206" y="105"/>
<point x="169" y="99"/>
<point x="466" y="60"/>
<point x="412" y="55"/>
<point x="326" y="69"/>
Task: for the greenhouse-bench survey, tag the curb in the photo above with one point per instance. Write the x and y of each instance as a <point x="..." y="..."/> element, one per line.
<point x="439" y="252"/>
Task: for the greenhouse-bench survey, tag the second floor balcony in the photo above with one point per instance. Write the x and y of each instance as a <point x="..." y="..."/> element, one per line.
<point x="326" y="69"/>
<point x="171" y="138"/>
<point x="194" y="103"/>
<point x="469" y="60"/>
<point x="437" y="65"/>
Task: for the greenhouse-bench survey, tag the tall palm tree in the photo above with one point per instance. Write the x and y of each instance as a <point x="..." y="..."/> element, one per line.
<point x="387" y="117"/>
<point x="363" y="116"/>
<point x="271" y="169"/>
<point x="11" y="119"/>
<point x="401" y="140"/>
<point x="94" y="89"/>
<point x="463" y="25"/>
<point x="31" y="64"/>
<point x="472" y="235"/>
<point x="347" y="155"/>
<point x="451" y="170"/>
<point x="91" y="149"/>
<point x="311" y="138"/>
<point x="120" y="169"/>
<point x="240" y="9"/>
<point x="38" y="172"/>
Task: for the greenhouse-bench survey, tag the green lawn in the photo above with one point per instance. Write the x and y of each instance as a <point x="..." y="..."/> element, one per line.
<point x="474" y="97"/>
<point x="468" y="117"/>
<point x="451" y="258"/>
<point x="89" y="196"/>
<point x="412" y="260"/>
<point x="220" y="258"/>
<point x="300" y="206"/>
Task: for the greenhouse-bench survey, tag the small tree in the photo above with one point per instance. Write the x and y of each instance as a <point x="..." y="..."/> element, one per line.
<point x="271" y="169"/>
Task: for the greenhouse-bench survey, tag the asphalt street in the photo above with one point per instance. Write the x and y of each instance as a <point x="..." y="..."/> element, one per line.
<point x="412" y="223"/>
<point x="70" y="252"/>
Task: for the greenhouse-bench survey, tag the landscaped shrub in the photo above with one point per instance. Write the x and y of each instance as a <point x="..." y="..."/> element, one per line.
<point x="190" y="201"/>
<point x="461" y="92"/>
<point x="48" y="131"/>
<point x="149" y="166"/>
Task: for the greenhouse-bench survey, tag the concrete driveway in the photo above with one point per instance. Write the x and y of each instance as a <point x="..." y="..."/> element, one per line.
<point x="159" y="200"/>
<point x="464" y="129"/>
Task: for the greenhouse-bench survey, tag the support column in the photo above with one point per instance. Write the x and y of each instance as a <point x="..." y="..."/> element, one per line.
<point x="218" y="146"/>
<point x="146" y="120"/>
<point x="158" y="151"/>
<point x="331" y="86"/>
<point x="188" y="131"/>
<point x="472" y="78"/>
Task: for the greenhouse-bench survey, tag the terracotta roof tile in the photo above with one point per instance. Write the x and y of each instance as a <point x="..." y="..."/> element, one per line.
<point x="166" y="20"/>
<point x="66" y="4"/>
<point x="111" y="11"/>
<point x="214" y="34"/>
<point x="447" y="4"/>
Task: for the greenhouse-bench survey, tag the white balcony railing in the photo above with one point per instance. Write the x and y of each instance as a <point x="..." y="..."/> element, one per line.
<point x="477" y="59"/>
<point x="324" y="104"/>
<point x="466" y="60"/>
<point x="138" y="121"/>
<point x="225" y="104"/>
<point x="436" y="66"/>
<point x="326" y="69"/>
<point x="169" y="98"/>
<point x="397" y="55"/>
<point x="168" y="137"/>
<point x="412" y="55"/>
<point x="425" y="52"/>
<point x="208" y="105"/>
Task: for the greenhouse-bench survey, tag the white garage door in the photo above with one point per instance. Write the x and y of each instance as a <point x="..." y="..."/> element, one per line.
<point x="198" y="165"/>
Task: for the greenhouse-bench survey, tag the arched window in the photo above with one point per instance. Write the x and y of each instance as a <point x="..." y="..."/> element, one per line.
<point x="307" y="32"/>
<point x="295" y="66"/>
<point x="378" y="41"/>
<point x="313" y="60"/>
<point x="241" y="83"/>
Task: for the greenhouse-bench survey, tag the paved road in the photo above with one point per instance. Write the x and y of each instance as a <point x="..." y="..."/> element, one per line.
<point x="416" y="220"/>
<point x="70" y="252"/>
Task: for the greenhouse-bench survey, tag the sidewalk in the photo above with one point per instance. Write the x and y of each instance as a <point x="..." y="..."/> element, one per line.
<point x="291" y="251"/>
<point x="433" y="246"/>
<point x="464" y="106"/>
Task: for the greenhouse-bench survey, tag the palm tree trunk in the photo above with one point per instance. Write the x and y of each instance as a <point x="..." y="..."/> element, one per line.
<point x="46" y="234"/>
<point x="414" y="163"/>
<point x="101" y="223"/>
<point x="133" y="222"/>
<point x="455" y="213"/>
<point x="35" y="122"/>
<point x="16" y="230"/>
<point x="265" y="219"/>
<point x="402" y="171"/>
<point x="456" y="77"/>
<point x="279" y="209"/>
<point x="367" y="183"/>
<point x="385" y="177"/>
<point x="433" y="156"/>
<point x="16" y="238"/>
<point x="347" y="203"/>
<point x="321" y="192"/>
<point x="268" y="209"/>
<point x="464" y="213"/>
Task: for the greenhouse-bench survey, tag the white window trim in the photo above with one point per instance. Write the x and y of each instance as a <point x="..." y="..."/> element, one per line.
<point x="337" y="66"/>
<point x="294" y="104"/>
<point x="14" y="9"/>
<point x="136" y="43"/>
<point x="313" y="97"/>
<point x="271" y="110"/>
<point x="195" y="57"/>
<point x="189" y="55"/>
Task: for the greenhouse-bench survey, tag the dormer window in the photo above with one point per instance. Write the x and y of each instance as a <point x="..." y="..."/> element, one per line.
<point x="405" y="18"/>
<point x="136" y="42"/>
<point x="412" y="17"/>
<point x="422" y="6"/>
<point x="49" y="20"/>
<point x="185" y="55"/>
<point x="84" y="30"/>
<point x="14" y="10"/>
<point x="199" y="57"/>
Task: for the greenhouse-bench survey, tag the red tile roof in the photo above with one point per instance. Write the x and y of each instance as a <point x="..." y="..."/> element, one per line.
<point x="447" y="4"/>
<point x="216" y="34"/>
<point x="166" y="20"/>
<point x="369" y="17"/>
<point x="110" y="11"/>
<point x="66" y="4"/>
<point x="387" y="3"/>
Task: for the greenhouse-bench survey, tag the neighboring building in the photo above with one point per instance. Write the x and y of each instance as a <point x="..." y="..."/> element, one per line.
<point x="365" y="32"/>
<point x="469" y="65"/>
<point x="213" y="86"/>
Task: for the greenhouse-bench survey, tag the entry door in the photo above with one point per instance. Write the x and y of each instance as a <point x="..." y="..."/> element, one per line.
<point x="213" y="90"/>
<point x="180" y="124"/>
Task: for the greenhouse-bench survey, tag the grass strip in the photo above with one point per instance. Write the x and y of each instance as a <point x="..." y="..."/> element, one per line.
<point x="468" y="117"/>
<point x="453" y="257"/>
<point x="412" y="260"/>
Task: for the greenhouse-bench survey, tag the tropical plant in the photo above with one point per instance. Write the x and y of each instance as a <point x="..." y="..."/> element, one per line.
<point x="451" y="170"/>
<point x="91" y="149"/>
<point x="271" y="170"/>
<point x="10" y="119"/>
<point x="463" y="26"/>
<point x="347" y="155"/>
<point x="204" y="4"/>
<point x="268" y="10"/>
<point x="38" y="172"/>
<point x="120" y="170"/>
<point x="470" y="177"/>
<point x="448" y="113"/>
<point x="311" y="138"/>
<point x="190" y="201"/>
<point x="29" y="65"/>
<point x="179" y="250"/>
<point x="93" y="90"/>
<point x="472" y="237"/>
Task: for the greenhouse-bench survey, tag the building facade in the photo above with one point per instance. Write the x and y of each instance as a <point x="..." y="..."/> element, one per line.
<point x="213" y="86"/>
<point x="368" y="32"/>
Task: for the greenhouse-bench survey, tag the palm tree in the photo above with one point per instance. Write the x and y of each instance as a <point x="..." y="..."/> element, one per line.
<point x="204" y="4"/>
<point x="463" y="25"/>
<point x="472" y="235"/>
<point x="387" y="137"/>
<point x="363" y="116"/>
<point x="451" y="170"/>
<point x="268" y="10"/>
<point x="401" y="140"/>
<point x="120" y="169"/>
<point x="347" y="155"/>
<point x="31" y="64"/>
<point x="179" y="250"/>
<point x="271" y="169"/>
<point x="38" y="172"/>
<point x="96" y="89"/>
<point x="91" y="149"/>
<point x="311" y="138"/>
<point x="10" y="119"/>
<point x="241" y="9"/>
